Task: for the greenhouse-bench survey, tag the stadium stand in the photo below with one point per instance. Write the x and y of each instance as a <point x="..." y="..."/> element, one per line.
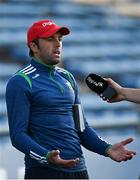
<point x="105" y="39"/>
<point x="102" y="41"/>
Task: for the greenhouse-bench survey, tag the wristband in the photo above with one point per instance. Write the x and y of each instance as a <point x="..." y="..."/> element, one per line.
<point x="48" y="156"/>
<point x="106" y="151"/>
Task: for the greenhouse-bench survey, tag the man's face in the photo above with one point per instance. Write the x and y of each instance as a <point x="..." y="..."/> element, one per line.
<point x="49" y="49"/>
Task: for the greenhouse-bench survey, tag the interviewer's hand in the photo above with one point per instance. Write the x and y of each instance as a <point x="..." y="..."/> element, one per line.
<point x="119" y="153"/>
<point x="119" y="89"/>
<point x="54" y="158"/>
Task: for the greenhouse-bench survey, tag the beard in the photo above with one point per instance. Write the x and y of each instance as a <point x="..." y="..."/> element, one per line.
<point x="50" y="60"/>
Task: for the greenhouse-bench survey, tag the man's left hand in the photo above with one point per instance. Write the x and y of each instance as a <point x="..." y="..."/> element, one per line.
<point x="119" y="153"/>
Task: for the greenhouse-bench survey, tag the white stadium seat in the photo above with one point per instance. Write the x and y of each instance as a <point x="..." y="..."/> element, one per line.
<point x="3" y="173"/>
<point x="20" y="173"/>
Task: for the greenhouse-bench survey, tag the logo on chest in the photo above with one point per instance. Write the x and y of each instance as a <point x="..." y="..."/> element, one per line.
<point x="35" y="76"/>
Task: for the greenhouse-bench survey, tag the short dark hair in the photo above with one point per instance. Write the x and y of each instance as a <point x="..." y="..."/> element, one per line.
<point x="31" y="53"/>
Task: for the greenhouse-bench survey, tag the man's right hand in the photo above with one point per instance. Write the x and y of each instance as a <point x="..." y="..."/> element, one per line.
<point x="54" y="158"/>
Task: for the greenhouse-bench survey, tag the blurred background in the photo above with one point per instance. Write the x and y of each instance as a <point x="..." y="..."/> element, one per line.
<point x="104" y="39"/>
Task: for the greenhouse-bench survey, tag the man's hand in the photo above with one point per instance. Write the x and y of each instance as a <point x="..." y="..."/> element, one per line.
<point x="54" y="158"/>
<point x="119" y="153"/>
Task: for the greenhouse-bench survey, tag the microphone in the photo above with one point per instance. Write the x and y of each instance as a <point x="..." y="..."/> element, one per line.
<point x="100" y="86"/>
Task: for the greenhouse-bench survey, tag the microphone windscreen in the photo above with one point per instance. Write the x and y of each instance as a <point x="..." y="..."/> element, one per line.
<point x="100" y="86"/>
<point x="96" y="83"/>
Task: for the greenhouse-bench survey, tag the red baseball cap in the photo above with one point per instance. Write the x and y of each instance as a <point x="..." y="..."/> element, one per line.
<point x="44" y="29"/>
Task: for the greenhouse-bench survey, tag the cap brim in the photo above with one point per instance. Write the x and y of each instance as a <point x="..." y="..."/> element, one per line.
<point x="63" y="30"/>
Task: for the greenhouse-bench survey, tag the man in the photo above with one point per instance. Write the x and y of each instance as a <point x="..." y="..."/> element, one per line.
<point x="39" y="100"/>
<point x="128" y="94"/>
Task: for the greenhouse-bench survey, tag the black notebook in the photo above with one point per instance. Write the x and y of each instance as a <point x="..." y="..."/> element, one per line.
<point x="78" y="117"/>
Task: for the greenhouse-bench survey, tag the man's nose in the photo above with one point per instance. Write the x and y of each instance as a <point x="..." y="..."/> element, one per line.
<point x="57" y="43"/>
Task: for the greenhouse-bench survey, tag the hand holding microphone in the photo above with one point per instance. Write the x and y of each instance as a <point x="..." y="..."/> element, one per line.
<point x="100" y="86"/>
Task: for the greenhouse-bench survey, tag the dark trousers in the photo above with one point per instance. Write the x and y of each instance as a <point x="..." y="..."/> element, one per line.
<point x="48" y="173"/>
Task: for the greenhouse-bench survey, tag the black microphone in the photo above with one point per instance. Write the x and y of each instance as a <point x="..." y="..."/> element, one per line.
<point x="100" y="86"/>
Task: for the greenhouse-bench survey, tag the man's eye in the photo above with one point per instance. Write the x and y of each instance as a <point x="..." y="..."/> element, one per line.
<point x="50" y="39"/>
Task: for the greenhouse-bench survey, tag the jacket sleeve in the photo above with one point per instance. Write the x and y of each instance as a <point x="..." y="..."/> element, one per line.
<point x="89" y="138"/>
<point x="18" y="96"/>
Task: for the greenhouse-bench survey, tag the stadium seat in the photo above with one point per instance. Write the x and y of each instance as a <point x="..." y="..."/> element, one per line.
<point x="21" y="171"/>
<point x="3" y="174"/>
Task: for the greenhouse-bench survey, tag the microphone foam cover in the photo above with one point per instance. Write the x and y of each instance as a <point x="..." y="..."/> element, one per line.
<point x="100" y="86"/>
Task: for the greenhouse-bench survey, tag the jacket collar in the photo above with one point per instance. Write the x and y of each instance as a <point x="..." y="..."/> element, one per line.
<point x="41" y="65"/>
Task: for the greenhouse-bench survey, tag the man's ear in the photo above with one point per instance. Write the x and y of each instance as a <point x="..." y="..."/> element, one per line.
<point x="33" y="47"/>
